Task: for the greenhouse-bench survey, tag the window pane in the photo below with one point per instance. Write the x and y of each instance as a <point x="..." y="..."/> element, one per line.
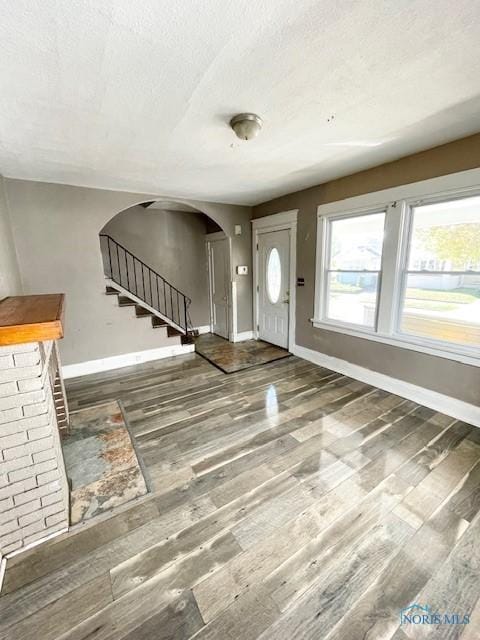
<point x="352" y="297"/>
<point x="274" y="275"/>
<point x="446" y="236"/>
<point x="356" y="243"/>
<point x="443" y="307"/>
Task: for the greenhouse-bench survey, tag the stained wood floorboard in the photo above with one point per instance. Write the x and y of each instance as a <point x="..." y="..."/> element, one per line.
<point x="287" y="502"/>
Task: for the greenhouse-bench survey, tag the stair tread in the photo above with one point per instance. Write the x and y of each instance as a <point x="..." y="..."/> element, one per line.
<point x="158" y="322"/>
<point x="123" y="301"/>
<point x="142" y="312"/>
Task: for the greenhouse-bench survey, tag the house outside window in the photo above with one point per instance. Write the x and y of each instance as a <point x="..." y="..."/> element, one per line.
<point x="406" y="273"/>
<point x="442" y="300"/>
<point x="355" y="256"/>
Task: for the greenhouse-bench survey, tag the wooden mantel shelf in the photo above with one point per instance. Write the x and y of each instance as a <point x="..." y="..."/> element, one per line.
<point x="31" y="318"/>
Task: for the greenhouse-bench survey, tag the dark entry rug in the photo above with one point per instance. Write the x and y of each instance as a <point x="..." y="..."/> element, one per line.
<point x="236" y="356"/>
<point x="101" y="462"/>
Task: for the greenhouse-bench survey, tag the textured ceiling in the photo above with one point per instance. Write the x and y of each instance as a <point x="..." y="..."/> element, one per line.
<point x="137" y="95"/>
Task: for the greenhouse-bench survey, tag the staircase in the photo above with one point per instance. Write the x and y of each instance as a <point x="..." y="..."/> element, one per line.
<point x="138" y="285"/>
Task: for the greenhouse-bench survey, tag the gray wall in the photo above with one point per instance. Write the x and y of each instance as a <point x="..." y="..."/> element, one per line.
<point x="56" y="229"/>
<point x="171" y="243"/>
<point x="9" y="274"/>
<point x="439" y="374"/>
<point x="227" y="216"/>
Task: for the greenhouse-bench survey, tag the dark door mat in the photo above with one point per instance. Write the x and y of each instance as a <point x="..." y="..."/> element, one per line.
<point x="230" y="357"/>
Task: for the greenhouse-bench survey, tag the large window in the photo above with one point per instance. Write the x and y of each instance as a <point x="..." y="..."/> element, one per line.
<point x="441" y="298"/>
<point x="406" y="272"/>
<point x="353" y="269"/>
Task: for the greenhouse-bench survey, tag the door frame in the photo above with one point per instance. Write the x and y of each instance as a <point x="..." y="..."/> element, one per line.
<point x="211" y="238"/>
<point x="277" y="222"/>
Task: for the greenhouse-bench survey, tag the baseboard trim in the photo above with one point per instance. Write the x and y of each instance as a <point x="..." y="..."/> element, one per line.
<point x="243" y="335"/>
<point x="3" y="565"/>
<point x="32" y="545"/>
<point x="3" y="561"/>
<point x="124" y="360"/>
<point x="203" y="329"/>
<point x="432" y="399"/>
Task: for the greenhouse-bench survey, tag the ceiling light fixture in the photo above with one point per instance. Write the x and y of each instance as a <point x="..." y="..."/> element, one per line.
<point x="246" y="125"/>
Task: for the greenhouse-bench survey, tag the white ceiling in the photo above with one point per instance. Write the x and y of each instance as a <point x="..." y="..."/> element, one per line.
<point x="137" y="95"/>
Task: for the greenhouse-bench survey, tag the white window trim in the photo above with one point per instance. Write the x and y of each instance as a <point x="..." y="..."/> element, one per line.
<point x="323" y="259"/>
<point x="394" y="256"/>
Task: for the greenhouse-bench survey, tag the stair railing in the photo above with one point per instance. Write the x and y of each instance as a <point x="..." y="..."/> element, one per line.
<point x="136" y="277"/>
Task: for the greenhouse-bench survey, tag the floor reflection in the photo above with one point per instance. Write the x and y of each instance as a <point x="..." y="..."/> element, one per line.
<point x="271" y="401"/>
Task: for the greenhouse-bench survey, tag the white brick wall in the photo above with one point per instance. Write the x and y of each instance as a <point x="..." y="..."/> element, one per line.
<point x="19" y="348"/>
<point x="6" y="362"/>
<point x="7" y="389"/>
<point x="26" y="359"/>
<point x="22" y="399"/>
<point x="33" y="484"/>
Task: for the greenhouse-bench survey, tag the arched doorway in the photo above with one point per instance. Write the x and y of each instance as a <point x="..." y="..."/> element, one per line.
<point x="174" y="260"/>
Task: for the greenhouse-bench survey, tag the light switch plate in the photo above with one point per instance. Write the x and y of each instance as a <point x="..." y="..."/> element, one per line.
<point x="242" y="271"/>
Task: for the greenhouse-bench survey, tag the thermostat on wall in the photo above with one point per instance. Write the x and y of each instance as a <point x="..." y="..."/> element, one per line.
<point x="242" y="271"/>
<point x="238" y="229"/>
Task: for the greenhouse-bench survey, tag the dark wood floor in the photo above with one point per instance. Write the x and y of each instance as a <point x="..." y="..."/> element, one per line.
<point x="231" y="357"/>
<point x="289" y="503"/>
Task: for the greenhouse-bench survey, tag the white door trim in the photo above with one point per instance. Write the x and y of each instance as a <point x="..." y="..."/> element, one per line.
<point x="277" y="222"/>
<point x="232" y="306"/>
<point x="210" y="238"/>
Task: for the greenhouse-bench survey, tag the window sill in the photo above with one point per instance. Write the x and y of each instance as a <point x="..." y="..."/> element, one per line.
<point x="403" y="342"/>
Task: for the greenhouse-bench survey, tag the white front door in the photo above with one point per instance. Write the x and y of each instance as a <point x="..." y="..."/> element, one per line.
<point x="219" y="267"/>
<point x="273" y="286"/>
